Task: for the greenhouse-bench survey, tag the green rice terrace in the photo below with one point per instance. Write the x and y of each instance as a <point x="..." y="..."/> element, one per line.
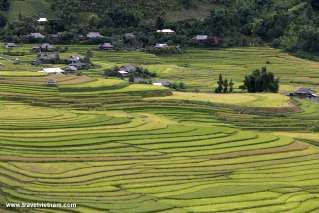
<point x="111" y="146"/>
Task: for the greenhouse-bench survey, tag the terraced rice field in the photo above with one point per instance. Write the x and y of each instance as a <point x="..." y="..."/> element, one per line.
<point x="252" y="100"/>
<point x="197" y="68"/>
<point x="110" y="146"/>
<point x="116" y="161"/>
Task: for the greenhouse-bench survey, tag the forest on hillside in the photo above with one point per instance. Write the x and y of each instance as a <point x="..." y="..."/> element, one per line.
<point x="289" y="24"/>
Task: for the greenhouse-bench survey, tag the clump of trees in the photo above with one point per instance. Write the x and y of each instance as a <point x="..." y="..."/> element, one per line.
<point x="224" y="86"/>
<point x="177" y="86"/>
<point x="261" y="81"/>
<point x="140" y="72"/>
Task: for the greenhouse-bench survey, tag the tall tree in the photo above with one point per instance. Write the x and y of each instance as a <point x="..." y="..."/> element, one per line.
<point x="220" y="84"/>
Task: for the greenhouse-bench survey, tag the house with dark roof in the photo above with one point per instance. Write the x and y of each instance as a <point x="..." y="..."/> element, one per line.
<point x="47" y="58"/>
<point x="52" y="82"/>
<point x="304" y="93"/>
<point x="45" y="47"/>
<point x="9" y="45"/>
<point x="106" y="46"/>
<point x="162" y="83"/>
<point x="129" y="36"/>
<point x="128" y="68"/>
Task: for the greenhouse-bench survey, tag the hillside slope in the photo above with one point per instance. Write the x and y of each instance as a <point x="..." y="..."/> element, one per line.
<point x="29" y="8"/>
<point x="173" y="10"/>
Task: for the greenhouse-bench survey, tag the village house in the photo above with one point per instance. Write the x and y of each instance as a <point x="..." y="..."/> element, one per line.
<point x="54" y="71"/>
<point x="71" y="70"/>
<point x="52" y="82"/>
<point x="123" y="74"/>
<point x="9" y="45"/>
<point x="125" y="70"/>
<point x="36" y="36"/>
<point x="46" y="58"/>
<point x="42" y="20"/>
<point x="54" y="36"/>
<point x="166" y="31"/>
<point x="106" y="46"/>
<point x="161" y="46"/>
<point x="77" y="62"/>
<point x="162" y="83"/>
<point x="304" y="93"/>
<point x="200" y="38"/>
<point x="94" y="35"/>
<point x="75" y="58"/>
<point x="36" y="49"/>
<point x="129" y="36"/>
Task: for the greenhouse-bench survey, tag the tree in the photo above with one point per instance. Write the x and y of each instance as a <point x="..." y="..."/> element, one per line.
<point x="220" y="84"/>
<point x="261" y="81"/>
<point x="225" y="85"/>
<point x="3" y="20"/>
<point x="181" y="85"/>
<point x="160" y="22"/>
<point x="131" y="78"/>
<point x="187" y="3"/>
